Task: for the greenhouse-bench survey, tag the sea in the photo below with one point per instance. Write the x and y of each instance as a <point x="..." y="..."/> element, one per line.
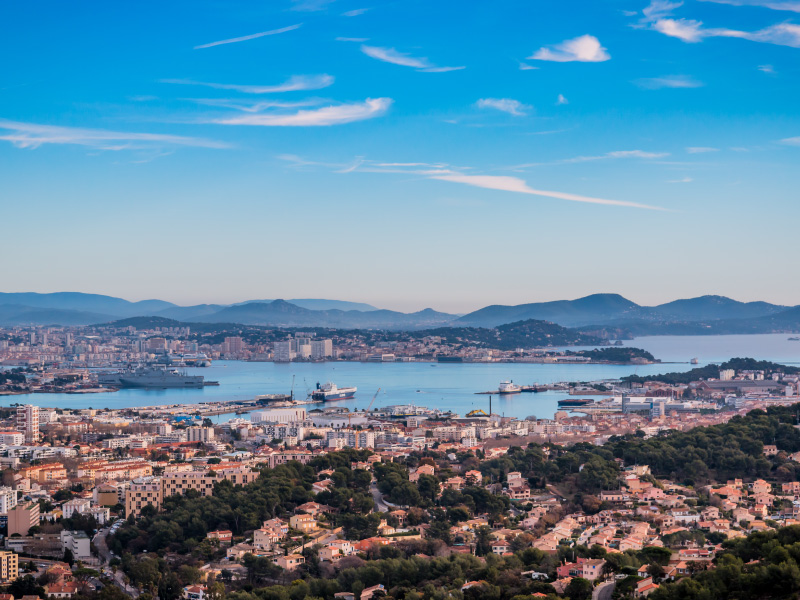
<point x="446" y="386"/>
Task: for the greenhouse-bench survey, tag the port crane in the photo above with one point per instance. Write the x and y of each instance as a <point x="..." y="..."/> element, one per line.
<point x="291" y="391"/>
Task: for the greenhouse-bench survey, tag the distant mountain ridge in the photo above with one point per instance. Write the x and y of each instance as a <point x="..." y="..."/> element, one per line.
<point x="606" y="309"/>
<point x="606" y="315"/>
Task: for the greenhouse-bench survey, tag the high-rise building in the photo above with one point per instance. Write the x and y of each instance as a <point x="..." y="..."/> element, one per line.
<point x="200" y="434"/>
<point x="321" y="349"/>
<point x="8" y="499"/>
<point x="28" y="422"/>
<point x="9" y="566"/>
<point x="283" y="351"/>
<point x="235" y="345"/>
<point x="22" y="517"/>
<point x="141" y="493"/>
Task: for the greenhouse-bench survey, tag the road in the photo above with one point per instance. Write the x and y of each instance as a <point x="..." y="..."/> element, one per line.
<point x="380" y="504"/>
<point x="105" y="555"/>
<point x="603" y="591"/>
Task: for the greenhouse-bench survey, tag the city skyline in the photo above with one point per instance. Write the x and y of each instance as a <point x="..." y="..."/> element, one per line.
<point x="404" y="155"/>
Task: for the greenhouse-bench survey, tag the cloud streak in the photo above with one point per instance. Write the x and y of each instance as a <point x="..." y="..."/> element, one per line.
<point x="296" y="83"/>
<point x="517" y="185"/>
<point x="691" y="31"/>
<point x="33" y="135"/>
<point x="392" y="56"/>
<point x="246" y="38"/>
<point x="320" y="117"/>
<point x="787" y="5"/>
<point x="506" y="105"/>
<point x="585" y="48"/>
<point x="668" y="81"/>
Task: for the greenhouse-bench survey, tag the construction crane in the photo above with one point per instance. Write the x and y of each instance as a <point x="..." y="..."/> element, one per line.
<point x="373" y="399"/>
<point x="291" y="391"/>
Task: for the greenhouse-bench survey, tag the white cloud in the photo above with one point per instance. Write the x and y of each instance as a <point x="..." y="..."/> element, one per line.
<point x="526" y="67"/>
<point x="355" y="13"/>
<point x="507" y="105"/>
<point x="252" y="107"/>
<point x="616" y="154"/>
<point x="684" y="180"/>
<point x="585" y="48"/>
<point x="395" y="57"/>
<point x="328" y="115"/>
<point x="700" y="149"/>
<point x="295" y="83"/>
<point x="658" y="9"/>
<point x="351" y="39"/>
<point x="685" y="29"/>
<point x="781" y="34"/>
<point x="33" y="135"/>
<point x="562" y="100"/>
<point x="249" y="37"/>
<point x="787" y="5"/>
<point x="515" y="184"/>
<point x="769" y="69"/>
<point x="310" y="5"/>
<point x="668" y="81"/>
<point x="792" y="141"/>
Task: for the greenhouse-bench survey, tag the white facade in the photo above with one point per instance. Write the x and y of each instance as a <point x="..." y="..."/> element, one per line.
<point x="28" y="422"/>
<point x="321" y="349"/>
<point x="8" y="499"/>
<point x="283" y="351"/>
<point x="278" y="415"/>
<point x="200" y="434"/>
<point x="77" y="542"/>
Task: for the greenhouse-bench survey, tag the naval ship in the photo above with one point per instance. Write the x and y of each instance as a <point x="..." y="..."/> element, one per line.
<point x="150" y="377"/>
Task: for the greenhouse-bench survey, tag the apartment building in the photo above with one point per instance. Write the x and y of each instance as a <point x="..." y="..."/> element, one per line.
<point x="28" y="422"/>
<point x="141" y="493"/>
<point x="22" y="517"/>
<point x="9" y="566"/>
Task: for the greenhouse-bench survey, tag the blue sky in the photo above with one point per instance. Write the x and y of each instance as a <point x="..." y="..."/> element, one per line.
<point x="407" y="154"/>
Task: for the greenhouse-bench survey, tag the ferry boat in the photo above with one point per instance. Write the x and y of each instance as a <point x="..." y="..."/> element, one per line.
<point x="509" y="387"/>
<point x="575" y="402"/>
<point x="150" y="377"/>
<point x="329" y="391"/>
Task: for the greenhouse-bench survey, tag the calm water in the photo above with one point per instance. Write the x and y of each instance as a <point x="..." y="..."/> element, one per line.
<point x="443" y="386"/>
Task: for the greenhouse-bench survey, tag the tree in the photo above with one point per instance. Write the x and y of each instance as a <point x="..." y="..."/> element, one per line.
<point x="579" y="589"/>
<point x="69" y="558"/>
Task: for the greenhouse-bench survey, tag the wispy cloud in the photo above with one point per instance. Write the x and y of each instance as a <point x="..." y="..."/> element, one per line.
<point x="781" y="34"/>
<point x="351" y="39"/>
<point x="295" y="83"/>
<point x="390" y="55"/>
<point x="658" y="9"/>
<point x="526" y="67"/>
<point x="668" y="81"/>
<point x="507" y="105"/>
<point x="561" y="100"/>
<point x="355" y="13"/>
<point x="700" y="149"/>
<point x="310" y="5"/>
<point x="792" y="141"/>
<point x="328" y="115"/>
<point x="253" y="107"/>
<point x="517" y="185"/>
<point x="768" y="69"/>
<point x="253" y="36"/>
<point x="684" y="180"/>
<point x="787" y="5"/>
<point x="33" y="135"/>
<point x="585" y="48"/>
<point x="616" y="154"/>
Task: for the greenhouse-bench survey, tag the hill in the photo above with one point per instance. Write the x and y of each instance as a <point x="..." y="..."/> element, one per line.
<point x="590" y="310"/>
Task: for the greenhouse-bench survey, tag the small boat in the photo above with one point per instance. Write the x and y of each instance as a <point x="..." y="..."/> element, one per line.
<point x="509" y="387"/>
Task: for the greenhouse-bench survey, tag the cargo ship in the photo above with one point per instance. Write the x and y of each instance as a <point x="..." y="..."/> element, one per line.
<point x="329" y="391"/>
<point x="150" y="377"/>
<point x="575" y="403"/>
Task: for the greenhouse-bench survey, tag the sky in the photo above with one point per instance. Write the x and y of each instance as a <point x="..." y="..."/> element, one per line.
<point x="412" y="154"/>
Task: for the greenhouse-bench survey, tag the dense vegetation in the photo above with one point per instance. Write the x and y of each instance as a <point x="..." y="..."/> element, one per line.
<point x="712" y="371"/>
<point x="764" y="565"/>
<point x="614" y="354"/>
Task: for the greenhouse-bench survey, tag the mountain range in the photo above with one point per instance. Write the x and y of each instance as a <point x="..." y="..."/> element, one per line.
<point x="606" y="315"/>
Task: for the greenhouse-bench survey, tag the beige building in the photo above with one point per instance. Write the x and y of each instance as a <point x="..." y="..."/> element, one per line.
<point x="22" y="517"/>
<point x="142" y="493"/>
<point x="9" y="566"/>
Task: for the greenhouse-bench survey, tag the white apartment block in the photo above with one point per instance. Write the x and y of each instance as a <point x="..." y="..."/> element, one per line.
<point x="28" y="422"/>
